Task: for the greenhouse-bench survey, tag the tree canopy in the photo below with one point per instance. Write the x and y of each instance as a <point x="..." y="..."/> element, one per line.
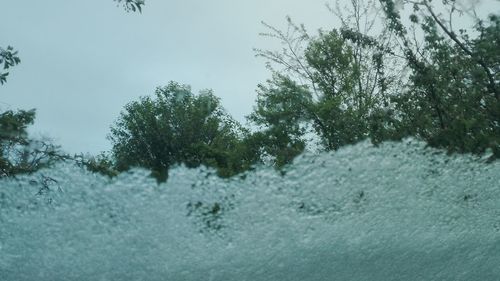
<point x="176" y="127"/>
<point x="352" y="83"/>
<point x="452" y="98"/>
<point x="332" y="89"/>
<point x="341" y="86"/>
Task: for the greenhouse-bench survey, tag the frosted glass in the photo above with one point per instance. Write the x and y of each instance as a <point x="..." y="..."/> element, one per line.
<point x="399" y="211"/>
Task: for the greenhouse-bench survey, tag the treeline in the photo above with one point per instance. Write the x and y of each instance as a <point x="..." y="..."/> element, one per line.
<point x="379" y="76"/>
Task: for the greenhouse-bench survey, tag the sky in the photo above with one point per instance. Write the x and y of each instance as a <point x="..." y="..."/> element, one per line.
<point x="84" y="60"/>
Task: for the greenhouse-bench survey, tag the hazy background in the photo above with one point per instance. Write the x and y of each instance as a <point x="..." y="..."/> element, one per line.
<point x="83" y="60"/>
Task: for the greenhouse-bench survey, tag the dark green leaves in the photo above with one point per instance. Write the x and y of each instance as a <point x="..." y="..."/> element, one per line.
<point x="18" y="152"/>
<point x="132" y="5"/>
<point x="8" y="59"/>
<point x="452" y="99"/>
<point x="176" y="127"/>
<point x="345" y="85"/>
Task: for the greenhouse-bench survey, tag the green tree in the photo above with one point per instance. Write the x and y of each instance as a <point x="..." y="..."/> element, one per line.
<point x="18" y="152"/>
<point x="452" y="97"/>
<point x="12" y="134"/>
<point x="443" y="88"/>
<point x="281" y="114"/>
<point x="335" y="85"/>
<point x="177" y="127"/>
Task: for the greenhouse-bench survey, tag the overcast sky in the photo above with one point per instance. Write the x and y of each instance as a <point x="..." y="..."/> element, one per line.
<point x="83" y="60"/>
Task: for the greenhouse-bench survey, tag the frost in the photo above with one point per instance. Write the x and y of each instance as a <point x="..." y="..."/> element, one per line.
<point x="399" y="211"/>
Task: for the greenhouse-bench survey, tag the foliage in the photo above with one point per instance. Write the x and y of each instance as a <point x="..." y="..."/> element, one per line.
<point x="452" y="97"/>
<point x="18" y="152"/>
<point x="177" y="127"/>
<point x="8" y="58"/>
<point x="338" y="86"/>
<point x="132" y="5"/>
<point x="443" y="88"/>
<point x="335" y="85"/>
<point x="101" y="163"/>
<point x="280" y="112"/>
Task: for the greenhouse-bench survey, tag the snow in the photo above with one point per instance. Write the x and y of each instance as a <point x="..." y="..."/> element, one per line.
<point x="399" y="211"/>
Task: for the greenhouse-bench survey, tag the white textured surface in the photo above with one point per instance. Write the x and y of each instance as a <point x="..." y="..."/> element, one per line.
<point x="396" y="212"/>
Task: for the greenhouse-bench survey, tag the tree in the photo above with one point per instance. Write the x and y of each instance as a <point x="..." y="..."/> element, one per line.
<point x="18" y="152"/>
<point x="335" y="84"/>
<point x="12" y="134"/>
<point x="341" y="113"/>
<point x="443" y="88"/>
<point x="452" y="97"/>
<point x="177" y="127"/>
<point x="281" y="114"/>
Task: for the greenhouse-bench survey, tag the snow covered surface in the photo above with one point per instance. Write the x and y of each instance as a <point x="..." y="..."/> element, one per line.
<point x="395" y="212"/>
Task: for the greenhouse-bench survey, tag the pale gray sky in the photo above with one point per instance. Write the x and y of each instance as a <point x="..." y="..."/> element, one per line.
<point x="83" y="60"/>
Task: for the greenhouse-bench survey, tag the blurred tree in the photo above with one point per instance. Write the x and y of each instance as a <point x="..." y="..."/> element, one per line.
<point x="12" y="134"/>
<point x="101" y="163"/>
<point x="443" y="88"/>
<point x="178" y="127"/>
<point x="335" y="85"/>
<point x="281" y="113"/>
<point x="18" y="152"/>
<point x="452" y="99"/>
